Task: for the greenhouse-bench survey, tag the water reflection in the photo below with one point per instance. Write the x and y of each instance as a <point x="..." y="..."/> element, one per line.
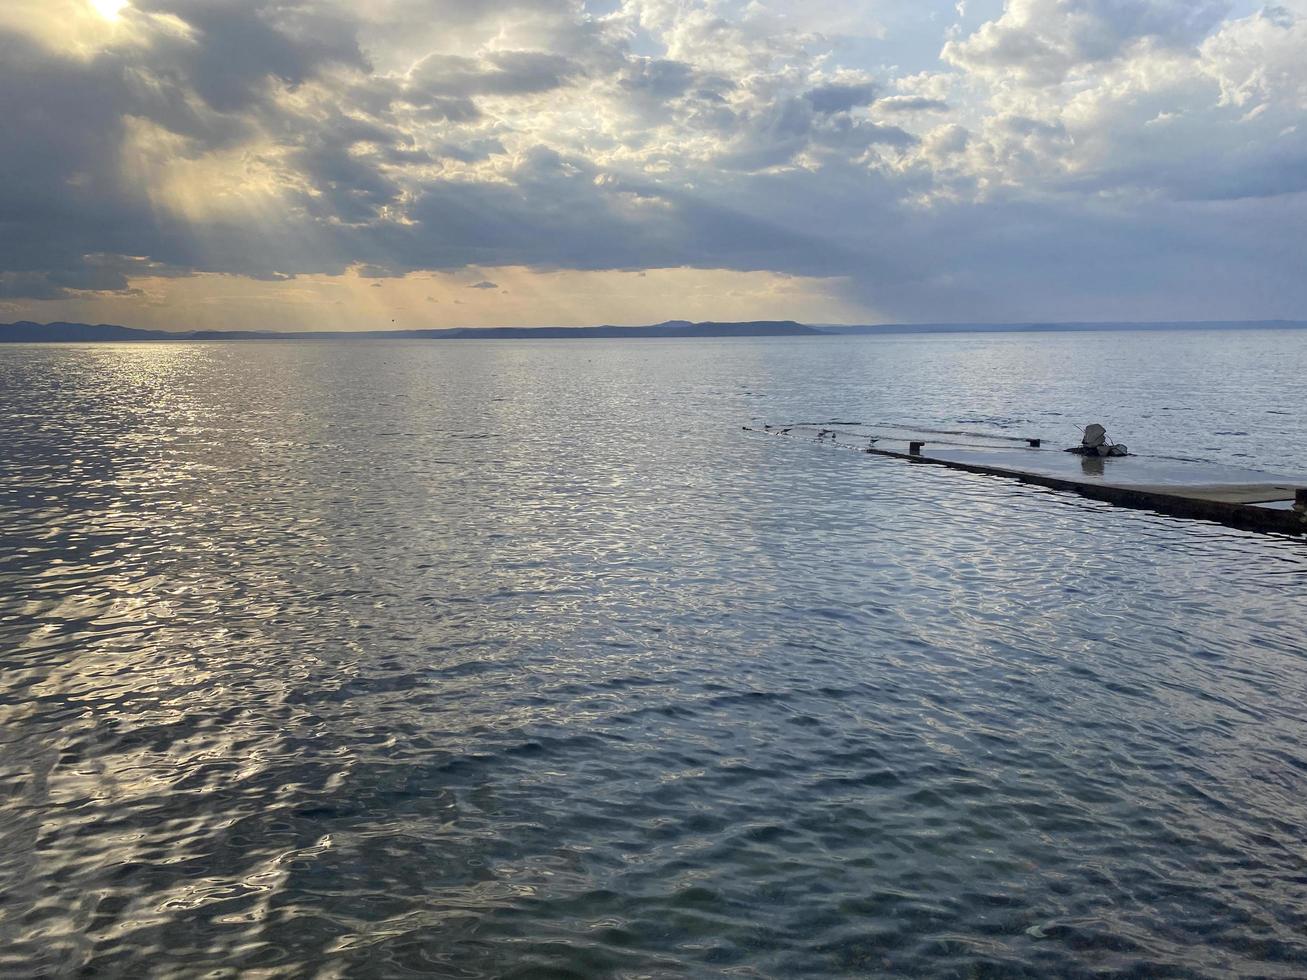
<point x="463" y="659"/>
<point x="1092" y="465"/>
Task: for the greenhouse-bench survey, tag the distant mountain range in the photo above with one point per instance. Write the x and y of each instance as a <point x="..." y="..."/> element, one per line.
<point x="1067" y="327"/>
<point x="28" y="332"/>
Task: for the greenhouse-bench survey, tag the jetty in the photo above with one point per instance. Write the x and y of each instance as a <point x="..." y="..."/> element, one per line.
<point x="1230" y="495"/>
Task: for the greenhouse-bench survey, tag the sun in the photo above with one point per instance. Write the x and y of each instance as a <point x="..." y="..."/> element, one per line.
<point x="108" y="9"/>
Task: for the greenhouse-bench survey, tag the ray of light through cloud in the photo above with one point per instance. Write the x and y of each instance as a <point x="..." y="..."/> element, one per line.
<point x="267" y="162"/>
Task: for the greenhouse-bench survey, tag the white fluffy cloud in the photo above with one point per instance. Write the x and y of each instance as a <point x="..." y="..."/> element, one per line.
<point x="1041" y="41"/>
<point x="1139" y="97"/>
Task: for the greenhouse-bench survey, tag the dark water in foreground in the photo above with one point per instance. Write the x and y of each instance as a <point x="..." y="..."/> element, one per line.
<point x="522" y="659"/>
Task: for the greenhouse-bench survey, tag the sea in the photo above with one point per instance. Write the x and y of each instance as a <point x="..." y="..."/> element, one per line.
<point x="525" y="659"/>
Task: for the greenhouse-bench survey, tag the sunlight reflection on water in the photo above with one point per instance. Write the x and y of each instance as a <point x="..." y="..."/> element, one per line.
<point x="471" y="658"/>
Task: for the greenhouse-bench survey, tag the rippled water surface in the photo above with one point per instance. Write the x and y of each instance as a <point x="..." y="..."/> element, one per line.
<point x="499" y="659"/>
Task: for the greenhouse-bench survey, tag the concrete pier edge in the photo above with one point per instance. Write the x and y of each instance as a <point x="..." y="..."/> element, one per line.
<point x="1244" y="516"/>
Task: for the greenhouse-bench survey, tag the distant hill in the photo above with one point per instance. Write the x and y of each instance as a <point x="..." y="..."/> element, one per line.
<point x="1070" y="327"/>
<point x="28" y="332"/>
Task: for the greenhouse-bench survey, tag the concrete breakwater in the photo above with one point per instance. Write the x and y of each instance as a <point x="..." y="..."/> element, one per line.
<point x="1234" y="496"/>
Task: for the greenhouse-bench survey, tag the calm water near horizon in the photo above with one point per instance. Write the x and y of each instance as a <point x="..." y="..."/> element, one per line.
<point x="482" y="659"/>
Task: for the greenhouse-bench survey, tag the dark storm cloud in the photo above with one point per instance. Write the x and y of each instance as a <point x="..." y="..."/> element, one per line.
<point x="34" y="285"/>
<point x="446" y="87"/>
<point x="1223" y="174"/>
<point x="501" y="73"/>
<point x="61" y="197"/>
<point x="777" y="132"/>
<point x="350" y="188"/>
<point x="911" y="103"/>
<point x="236" y="46"/>
<point x="64" y="192"/>
<point x="560" y="213"/>
<point x="840" y="98"/>
<point x="659" y="78"/>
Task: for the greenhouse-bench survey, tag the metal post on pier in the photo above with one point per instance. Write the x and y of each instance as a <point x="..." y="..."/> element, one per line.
<point x="914" y="448"/>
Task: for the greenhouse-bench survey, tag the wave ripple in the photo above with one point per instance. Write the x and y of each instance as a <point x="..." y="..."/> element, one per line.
<point x="491" y="660"/>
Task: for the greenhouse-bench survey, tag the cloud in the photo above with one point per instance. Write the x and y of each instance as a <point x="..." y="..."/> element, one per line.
<point x="1042" y="41"/>
<point x="1164" y="110"/>
<point x="658" y="78"/>
<point x="1259" y="60"/>
<point x="835" y="97"/>
<point x="445" y="77"/>
<point x="911" y="103"/>
<point x="279" y="139"/>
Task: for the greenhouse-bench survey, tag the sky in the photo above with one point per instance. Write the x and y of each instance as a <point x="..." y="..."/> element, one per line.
<point x="320" y="164"/>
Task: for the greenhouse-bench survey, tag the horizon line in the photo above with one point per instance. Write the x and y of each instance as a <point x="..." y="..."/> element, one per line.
<point x="69" y="331"/>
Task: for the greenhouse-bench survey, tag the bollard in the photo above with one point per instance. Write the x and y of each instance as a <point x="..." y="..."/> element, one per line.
<point x="1300" y="499"/>
<point x="914" y="448"/>
<point x="1034" y="443"/>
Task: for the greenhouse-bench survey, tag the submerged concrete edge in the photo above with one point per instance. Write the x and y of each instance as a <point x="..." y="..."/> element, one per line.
<point x="1245" y="517"/>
